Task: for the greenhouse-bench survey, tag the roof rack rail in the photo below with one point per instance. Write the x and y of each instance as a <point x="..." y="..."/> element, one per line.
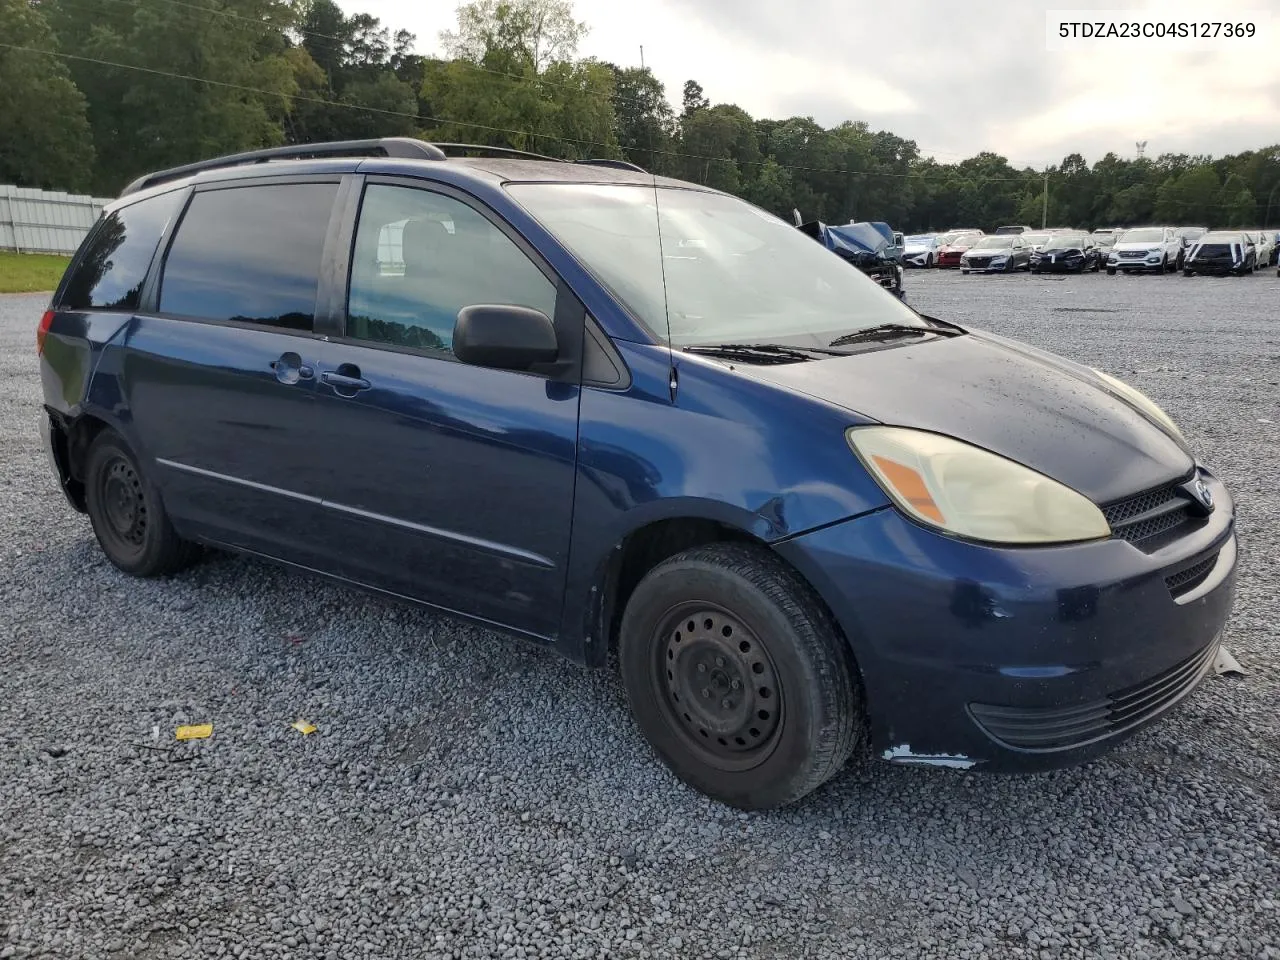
<point x="405" y="148"/>
<point x="496" y="151"/>
<point x="617" y="164"/>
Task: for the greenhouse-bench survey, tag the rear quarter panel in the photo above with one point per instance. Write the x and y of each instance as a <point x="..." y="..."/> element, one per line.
<point x="73" y="349"/>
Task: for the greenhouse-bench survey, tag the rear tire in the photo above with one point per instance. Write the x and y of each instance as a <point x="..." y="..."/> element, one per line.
<point x="738" y="676"/>
<point x="127" y="515"/>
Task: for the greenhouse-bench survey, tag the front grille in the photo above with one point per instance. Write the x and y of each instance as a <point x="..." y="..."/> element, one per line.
<point x="1153" y="519"/>
<point x="979" y="261"/>
<point x="1184" y="581"/>
<point x="1047" y="730"/>
<point x="1133" y="254"/>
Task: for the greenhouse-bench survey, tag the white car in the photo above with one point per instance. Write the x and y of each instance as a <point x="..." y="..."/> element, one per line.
<point x="1037" y="240"/>
<point x="1264" y="243"/>
<point x="920" y="250"/>
<point x="1141" y="249"/>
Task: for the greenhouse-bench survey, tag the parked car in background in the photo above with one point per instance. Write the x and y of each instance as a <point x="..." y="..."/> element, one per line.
<point x="802" y="520"/>
<point x="1264" y="242"/>
<point x="920" y="250"/>
<point x="1036" y="239"/>
<point x="1144" y="249"/>
<point x="1219" y="253"/>
<point x="1103" y="241"/>
<point x="949" y="254"/>
<point x="1012" y="229"/>
<point x="996" y="254"/>
<point x="1187" y="236"/>
<point x="1065" y="253"/>
<point x="869" y="246"/>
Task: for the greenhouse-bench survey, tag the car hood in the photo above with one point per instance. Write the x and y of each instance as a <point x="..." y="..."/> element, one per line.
<point x="1042" y="411"/>
<point x="1058" y="251"/>
<point x="988" y="251"/>
<point x="1131" y="245"/>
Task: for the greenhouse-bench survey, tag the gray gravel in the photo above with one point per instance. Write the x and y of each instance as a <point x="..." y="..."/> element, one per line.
<point x="466" y="795"/>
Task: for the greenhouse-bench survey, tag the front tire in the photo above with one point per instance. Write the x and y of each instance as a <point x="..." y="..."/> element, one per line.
<point x="1111" y="271"/>
<point x="738" y="676"/>
<point x="127" y="515"/>
<point x="1188" y="272"/>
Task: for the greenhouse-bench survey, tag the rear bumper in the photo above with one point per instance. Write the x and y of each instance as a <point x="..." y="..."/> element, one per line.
<point x="1007" y="659"/>
<point x="53" y="439"/>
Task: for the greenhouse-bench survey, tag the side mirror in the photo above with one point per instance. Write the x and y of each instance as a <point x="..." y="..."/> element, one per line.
<point x="504" y="337"/>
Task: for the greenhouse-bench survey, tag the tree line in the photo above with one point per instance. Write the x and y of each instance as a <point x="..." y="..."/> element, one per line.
<point x="96" y="92"/>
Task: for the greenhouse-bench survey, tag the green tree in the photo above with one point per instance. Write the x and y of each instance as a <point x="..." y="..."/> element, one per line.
<point x="515" y="35"/>
<point x="643" y="122"/>
<point x="155" y="116"/>
<point x="45" y="139"/>
<point x="1239" y="209"/>
<point x="1191" y="197"/>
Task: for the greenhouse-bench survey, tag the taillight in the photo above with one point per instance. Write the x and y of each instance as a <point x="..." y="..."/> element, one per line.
<point x="45" y="322"/>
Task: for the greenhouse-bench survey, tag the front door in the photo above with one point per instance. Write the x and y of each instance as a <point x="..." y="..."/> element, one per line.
<point x="446" y="482"/>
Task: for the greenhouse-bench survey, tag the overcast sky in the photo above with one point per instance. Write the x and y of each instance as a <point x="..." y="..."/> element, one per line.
<point x="956" y="77"/>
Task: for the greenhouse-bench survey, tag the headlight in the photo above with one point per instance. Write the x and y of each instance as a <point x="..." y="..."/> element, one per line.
<point x="1145" y="405"/>
<point x="999" y="259"/>
<point x="972" y="492"/>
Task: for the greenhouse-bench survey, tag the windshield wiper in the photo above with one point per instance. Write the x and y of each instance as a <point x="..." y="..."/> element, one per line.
<point x="884" y="331"/>
<point x="762" y="352"/>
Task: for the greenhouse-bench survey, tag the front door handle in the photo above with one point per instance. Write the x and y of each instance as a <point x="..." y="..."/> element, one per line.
<point x="346" y="379"/>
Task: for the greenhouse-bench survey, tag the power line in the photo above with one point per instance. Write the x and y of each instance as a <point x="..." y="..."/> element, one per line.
<point x="491" y="129"/>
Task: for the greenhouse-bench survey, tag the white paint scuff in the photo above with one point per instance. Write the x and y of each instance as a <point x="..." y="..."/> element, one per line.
<point x="903" y="754"/>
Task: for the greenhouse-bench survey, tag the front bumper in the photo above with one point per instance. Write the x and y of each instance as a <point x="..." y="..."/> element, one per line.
<point x="986" y="267"/>
<point x="1009" y="659"/>
<point x="1058" y="264"/>
<point x="917" y="259"/>
<point x="1152" y="262"/>
<point x="1214" y="268"/>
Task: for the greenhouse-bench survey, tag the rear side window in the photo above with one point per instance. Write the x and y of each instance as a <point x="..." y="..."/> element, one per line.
<point x="250" y="254"/>
<point x="109" y="274"/>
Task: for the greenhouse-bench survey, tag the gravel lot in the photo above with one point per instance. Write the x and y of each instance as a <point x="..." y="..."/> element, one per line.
<point x="467" y="795"/>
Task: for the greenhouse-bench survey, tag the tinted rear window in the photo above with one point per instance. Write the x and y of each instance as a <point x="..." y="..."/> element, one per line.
<point x="109" y="274"/>
<point x="250" y="254"/>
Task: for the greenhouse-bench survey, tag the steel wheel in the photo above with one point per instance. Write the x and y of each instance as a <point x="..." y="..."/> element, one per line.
<point x="124" y="505"/>
<point x="719" y="685"/>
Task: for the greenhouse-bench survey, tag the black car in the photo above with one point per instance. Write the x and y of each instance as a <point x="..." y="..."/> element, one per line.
<point x="1066" y="253"/>
<point x="1221" y="253"/>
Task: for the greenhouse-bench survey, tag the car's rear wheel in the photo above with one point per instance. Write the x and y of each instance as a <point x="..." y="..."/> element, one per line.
<point x="127" y="515"/>
<point x="738" y="676"/>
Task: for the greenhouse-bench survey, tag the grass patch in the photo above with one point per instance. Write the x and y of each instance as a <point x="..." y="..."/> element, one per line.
<point x="30" y="272"/>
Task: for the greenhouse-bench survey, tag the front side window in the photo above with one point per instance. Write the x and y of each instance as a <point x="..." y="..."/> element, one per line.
<point x="420" y="257"/>
<point x="110" y="274"/>
<point x="704" y="268"/>
<point x="250" y="255"/>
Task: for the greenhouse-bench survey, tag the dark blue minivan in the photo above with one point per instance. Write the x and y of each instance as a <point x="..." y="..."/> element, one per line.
<point x="621" y="415"/>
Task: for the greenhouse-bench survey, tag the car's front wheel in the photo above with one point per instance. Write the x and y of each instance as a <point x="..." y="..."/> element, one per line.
<point x="1111" y="271"/>
<point x="127" y="515"/>
<point x="738" y="676"/>
<point x="1188" y="272"/>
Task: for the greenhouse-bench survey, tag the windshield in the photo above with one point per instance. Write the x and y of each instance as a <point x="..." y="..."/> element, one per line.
<point x="732" y="272"/>
<point x="919" y="241"/>
<point x="993" y="243"/>
<point x="1034" y="237"/>
<point x="1147" y="235"/>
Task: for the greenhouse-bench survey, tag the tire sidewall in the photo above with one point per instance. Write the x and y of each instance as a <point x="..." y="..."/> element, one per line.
<point x="105" y="448"/>
<point x="773" y="781"/>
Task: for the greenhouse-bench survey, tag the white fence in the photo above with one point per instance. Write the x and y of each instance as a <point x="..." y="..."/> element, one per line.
<point x="39" y="221"/>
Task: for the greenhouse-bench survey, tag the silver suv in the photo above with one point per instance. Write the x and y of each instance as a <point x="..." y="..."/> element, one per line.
<point x="1152" y="249"/>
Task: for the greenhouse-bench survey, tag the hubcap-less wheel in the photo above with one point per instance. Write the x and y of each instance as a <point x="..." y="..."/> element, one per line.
<point x="719" y="685"/>
<point x="124" y="504"/>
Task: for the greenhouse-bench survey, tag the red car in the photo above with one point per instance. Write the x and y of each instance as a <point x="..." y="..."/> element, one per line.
<point x="949" y="253"/>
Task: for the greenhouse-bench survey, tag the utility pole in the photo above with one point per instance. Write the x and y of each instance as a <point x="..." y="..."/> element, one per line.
<point x="1044" y="201"/>
<point x="642" y="56"/>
